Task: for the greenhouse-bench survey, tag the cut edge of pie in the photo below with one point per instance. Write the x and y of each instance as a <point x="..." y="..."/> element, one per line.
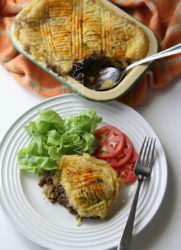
<point x="68" y="36"/>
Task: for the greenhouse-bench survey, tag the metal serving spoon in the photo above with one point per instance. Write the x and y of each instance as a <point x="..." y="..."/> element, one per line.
<point x="110" y="77"/>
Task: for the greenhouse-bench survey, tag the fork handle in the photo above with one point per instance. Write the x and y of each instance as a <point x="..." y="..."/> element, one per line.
<point x="125" y="241"/>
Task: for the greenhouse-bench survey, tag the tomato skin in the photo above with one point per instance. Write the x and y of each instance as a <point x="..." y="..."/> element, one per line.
<point x="126" y="172"/>
<point x="116" y="148"/>
<point x="111" y="141"/>
<point x="123" y="157"/>
<point x="134" y="157"/>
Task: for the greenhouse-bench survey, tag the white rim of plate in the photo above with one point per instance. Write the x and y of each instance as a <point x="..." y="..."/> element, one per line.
<point x="97" y="236"/>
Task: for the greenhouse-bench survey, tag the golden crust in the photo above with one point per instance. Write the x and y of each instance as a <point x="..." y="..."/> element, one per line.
<point x="59" y="32"/>
<point x="92" y="185"/>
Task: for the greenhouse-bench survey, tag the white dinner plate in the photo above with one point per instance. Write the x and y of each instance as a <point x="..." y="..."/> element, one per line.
<point x="51" y="225"/>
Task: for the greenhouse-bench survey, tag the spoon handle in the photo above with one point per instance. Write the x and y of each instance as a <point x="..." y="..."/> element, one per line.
<point x="168" y="52"/>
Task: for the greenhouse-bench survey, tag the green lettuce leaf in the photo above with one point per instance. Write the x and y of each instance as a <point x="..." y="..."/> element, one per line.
<point x="54" y="136"/>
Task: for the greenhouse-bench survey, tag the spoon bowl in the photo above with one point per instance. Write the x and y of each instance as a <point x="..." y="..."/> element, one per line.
<point x="110" y="77"/>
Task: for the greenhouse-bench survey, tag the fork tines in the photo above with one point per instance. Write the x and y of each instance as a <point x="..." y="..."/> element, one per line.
<point x="147" y="151"/>
<point x="145" y="157"/>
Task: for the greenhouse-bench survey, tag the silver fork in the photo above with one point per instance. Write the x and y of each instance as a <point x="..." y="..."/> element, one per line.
<point x="142" y="170"/>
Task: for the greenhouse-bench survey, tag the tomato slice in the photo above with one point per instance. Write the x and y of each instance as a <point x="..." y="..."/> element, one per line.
<point x="127" y="172"/>
<point x="134" y="157"/>
<point x="111" y="142"/>
<point x="123" y="157"/>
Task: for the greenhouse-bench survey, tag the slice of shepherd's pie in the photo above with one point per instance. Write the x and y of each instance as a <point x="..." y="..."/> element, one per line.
<point x="86" y="186"/>
<point x="63" y="33"/>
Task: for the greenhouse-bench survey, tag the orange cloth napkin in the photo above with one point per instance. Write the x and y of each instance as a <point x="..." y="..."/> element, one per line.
<point x="162" y="16"/>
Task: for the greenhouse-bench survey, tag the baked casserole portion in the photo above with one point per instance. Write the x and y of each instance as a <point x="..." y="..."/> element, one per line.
<point x="88" y="187"/>
<point x="61" y="33"/>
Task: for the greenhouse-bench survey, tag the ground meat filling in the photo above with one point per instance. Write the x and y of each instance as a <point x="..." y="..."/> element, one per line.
<point x="87" y="71"/>
<point x="56" y="193"/>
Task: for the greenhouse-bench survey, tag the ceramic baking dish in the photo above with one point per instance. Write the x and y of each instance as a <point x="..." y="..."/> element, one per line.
<point x="105" y="95"/>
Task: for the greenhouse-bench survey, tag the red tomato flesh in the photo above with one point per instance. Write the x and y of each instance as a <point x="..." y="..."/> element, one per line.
<point x="116" y="148"/>
<point x="126" y="172"/>
<point x="111" y="141"/>
<point x="134" y="157"/>
<point x="123" y="157"/>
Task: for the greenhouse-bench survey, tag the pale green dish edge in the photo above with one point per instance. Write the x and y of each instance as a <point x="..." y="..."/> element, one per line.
<point x="66" y="83"/>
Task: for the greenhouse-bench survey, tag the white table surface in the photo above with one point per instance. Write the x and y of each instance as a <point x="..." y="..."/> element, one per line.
<point x="162" y="109"/>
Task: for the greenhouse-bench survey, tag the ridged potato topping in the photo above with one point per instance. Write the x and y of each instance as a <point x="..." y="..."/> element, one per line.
<point x="58" y="33"/>
<point x="91" y="185"/>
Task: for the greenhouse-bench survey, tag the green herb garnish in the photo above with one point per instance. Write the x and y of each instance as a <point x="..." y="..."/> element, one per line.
<point x="82" y="198"/>
<point x="98" y="180"/>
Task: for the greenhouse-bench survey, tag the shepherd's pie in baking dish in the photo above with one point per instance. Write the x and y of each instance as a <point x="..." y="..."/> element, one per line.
<point x="64" y="34"/>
